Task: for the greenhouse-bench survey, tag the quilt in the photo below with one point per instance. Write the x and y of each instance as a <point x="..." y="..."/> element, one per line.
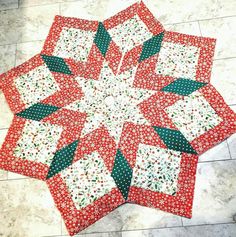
<point x="113" y="112"/>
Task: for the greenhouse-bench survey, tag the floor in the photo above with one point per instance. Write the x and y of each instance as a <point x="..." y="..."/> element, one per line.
<point x="27" y="209"/>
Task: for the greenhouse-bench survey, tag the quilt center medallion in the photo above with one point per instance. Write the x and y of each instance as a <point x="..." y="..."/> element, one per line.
<point x="111" y="101"/>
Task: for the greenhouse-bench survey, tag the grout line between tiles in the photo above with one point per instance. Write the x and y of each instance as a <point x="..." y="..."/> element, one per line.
<point x="229" y="149"/>
<point x="216" y="59"/>
<point x="199" y="27"/>
<point x="61" y="225"/>
<point x="209" y="161"/>
<point x="3" y="129"/>
<point x="15" y="55"/>
<point x="16" y="179"/>
<point x="204" y="19"/>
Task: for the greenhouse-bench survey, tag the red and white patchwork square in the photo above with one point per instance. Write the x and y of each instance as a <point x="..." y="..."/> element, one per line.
<point x="113" y="112"/>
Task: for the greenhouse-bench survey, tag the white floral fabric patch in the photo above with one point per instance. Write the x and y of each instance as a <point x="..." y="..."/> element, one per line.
<point x="74" y="43"/>
<point x="130" y="33"/>
<point x="36" y="85"/>
<point x="156" y="169"/>
<point x="88" y="179"/>
<point x="177" y="60"/>
<point x="193" y="115"/>
<point x="38" y="142"/>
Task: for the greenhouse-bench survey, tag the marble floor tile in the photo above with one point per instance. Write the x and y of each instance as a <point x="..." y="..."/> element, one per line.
<point x="27" y="209"/>
<point x="232" y="140"/>
<point x="6" y="115"/>
<point x="223" y="78"/>
<point x="218" y="152"/>
<point x="232" y="146"/>
<point x="114" y="6"/>
<point x="91" y="9"/>
<point x="190" y="10"/>
<point x="3" y="175"/>
<point x="131" y="217"/>
<point x="223" y="230"/>
<point x="7" y="57"/>
<point x="26" y="24"/>
<point x="27" y="3"/>
<point x="191" y="28"/>
<point x="12" y="176"/>
<point x="223" y="29"/>
<point x="8" y="4"/>
<point x="215" y="193"/>
<point x="25" y="51"/>
<point x="3" y="133"/>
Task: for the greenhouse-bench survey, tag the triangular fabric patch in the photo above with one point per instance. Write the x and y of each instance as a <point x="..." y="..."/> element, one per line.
<point x="151" y="46"/>
<point x="56" y="64"/>
<point x="122" y="174"/>
<point x="102" y="39"/>
<point x="62" y="159"/>
<point x="38" y="111"/>
<point x="174" y="140"/>
<point x="183" y="86"/>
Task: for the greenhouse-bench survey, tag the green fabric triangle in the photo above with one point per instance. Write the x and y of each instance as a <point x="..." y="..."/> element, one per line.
<point x="38" y="111"/>
<point x="122" y="174"/>
<point x="102" y="39"/>
<point x="183" y="86"/>
<point x="62" y="159"/>
<point x="174" y="140"/>
<point x="151" y="46"/>
<point x="56" y="64"/>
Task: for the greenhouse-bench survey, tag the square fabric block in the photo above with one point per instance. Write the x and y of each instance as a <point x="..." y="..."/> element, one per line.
<point x="89" y="178"/>
<point x="38" y="142"/>
<point x="36" y="85"/>
<point x="177" y="60"/>
<point x="190" y="121"/>
<point x="156" y="169"/>
<point x="74" y="43"/>
<point x="124" y="32"/>
<point x="114" y="112"/>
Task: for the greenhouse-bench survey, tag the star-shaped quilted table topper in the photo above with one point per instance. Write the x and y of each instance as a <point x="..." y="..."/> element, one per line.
<point x="113" y="112"/>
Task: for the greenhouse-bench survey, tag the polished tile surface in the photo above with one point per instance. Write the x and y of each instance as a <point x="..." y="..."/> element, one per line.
<point x="223" y="30"/>
<point x="174" y="12"/>
<point x="223" y="78"/>
<point x="191" y="28"/>
<point x="219" y="152"/>
<point x="27" y="209"/>
<point x="223" y="230"/>
<point x="7" y="57"/>
<point x="92" y="10"/>
<point x="26" y="24"/>
<point x="6" y="115"/>
<point x="131" y="217"/>
<point x="215" y="193"/>
<point x="25" y="51"/>
<point x="26" y="206"/>
<point x="8" y="4"/>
